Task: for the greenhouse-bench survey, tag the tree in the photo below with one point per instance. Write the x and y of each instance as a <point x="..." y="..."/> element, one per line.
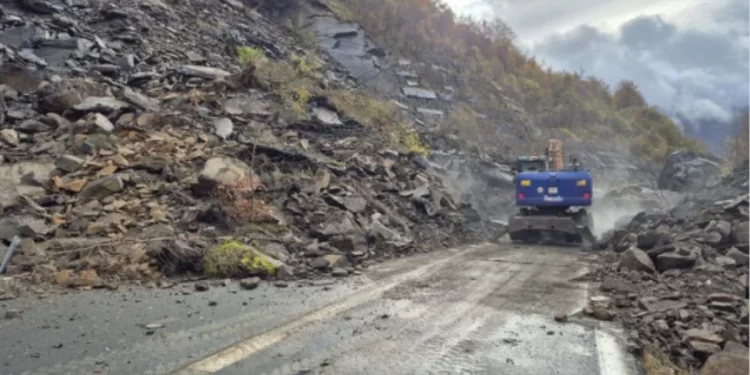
<point x="628" y="95"/>
<point x="738" y="144"/>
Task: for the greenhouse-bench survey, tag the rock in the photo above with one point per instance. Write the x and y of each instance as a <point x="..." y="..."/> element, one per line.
<point x="139" y="100"/>
<point x="90" y="278"/>
<point x="223" y="127"/>
<point x="703" y="350"/>
<point x="339" y="272"/>
<point x="726" y="262"/>
<point x="637" y="260"/>
<point x="561" y="318"/>
<point x="22" y="179"/>
<point x="285" y="272"/>
<point x="418" y="92"/>
<point x="102" y="104"/>
<point x="704" y="336"/>
<point x="201" y="286"/>
<point x="380" y="230"/>
<point x="203" y="72"/>
<point x="101" y="188"/>
<point x="647" y="240"/>
<point x="740" y="233"/>
<point x="250" y="283"/>
<point x="221" y="170"/>
<point x="12" y="314"/>
<point x="69" y="163"/>
<point x="10" y="137"/>
<point x="245" y="105"/>
<point x="327" y="261"/>
<point x="739" y="257"/>
<point x="724" y="228"/>
<point x="234" y="259"/>
<point x="689" y="171"/>
<point x="32" y="126"/>
<point x="674" y="260"/>
<point x="326" y="117"/>
<point x="727" y="363"/>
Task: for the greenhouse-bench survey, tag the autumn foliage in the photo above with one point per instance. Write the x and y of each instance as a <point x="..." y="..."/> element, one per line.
<point x="496" y="78"/>
<point x="738" y="148"/>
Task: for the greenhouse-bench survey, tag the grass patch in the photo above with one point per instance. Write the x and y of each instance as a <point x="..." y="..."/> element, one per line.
<point x="235" y="259"/>
<point x="247" y="55"/>
<point x="294" y="81"/>
<point x="340" y="10"/>
<point x="382" y="116"/>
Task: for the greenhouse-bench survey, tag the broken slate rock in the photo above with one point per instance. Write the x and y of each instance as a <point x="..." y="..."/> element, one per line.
<point x="102" y="188"/>
<point x="103" y="104"/>
<point x="733" y="362"/>
<point x="201" y="286"/>
<point x="739" y="257"/>
<point x="675" y="260"/>
<point x="636" y="259"/>
<point x="203" y="72"/>
<point x="10" y="137"/>
<point x="69" y="163"/>
<point x="221" y="170"/>
<point x="250" y="283"/>
<point x="326" y="117"/>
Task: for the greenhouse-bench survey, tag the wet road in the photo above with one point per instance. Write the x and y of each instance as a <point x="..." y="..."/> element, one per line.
<point x="483" y="309"/>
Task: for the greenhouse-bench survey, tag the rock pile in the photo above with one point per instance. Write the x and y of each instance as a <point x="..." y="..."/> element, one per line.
<point x="133" y="142"/>
<point x="678" y="281"/>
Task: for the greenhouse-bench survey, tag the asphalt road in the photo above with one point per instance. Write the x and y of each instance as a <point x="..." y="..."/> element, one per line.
<point x="483" y="309"/>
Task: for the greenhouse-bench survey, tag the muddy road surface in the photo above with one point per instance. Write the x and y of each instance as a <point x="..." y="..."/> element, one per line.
<point x="480" y="309"/>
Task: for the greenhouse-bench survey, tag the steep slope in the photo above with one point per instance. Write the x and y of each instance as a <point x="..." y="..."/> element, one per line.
<point x="468" y="81"/>
<point x="150" y="137"/>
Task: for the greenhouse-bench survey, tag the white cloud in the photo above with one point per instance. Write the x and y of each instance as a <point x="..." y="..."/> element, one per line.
<point x="689" y="57"/>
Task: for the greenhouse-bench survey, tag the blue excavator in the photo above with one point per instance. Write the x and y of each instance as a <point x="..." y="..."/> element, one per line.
<point x="552" y="199"/>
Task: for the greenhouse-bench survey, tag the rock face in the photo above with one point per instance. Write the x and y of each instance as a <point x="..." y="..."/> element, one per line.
<point x="689" y="171"/>
<point x="680" y="280"/>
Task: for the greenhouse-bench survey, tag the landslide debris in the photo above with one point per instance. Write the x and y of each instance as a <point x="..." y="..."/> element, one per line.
<point x="142" y="139"/>
<point x="678" y="280"/>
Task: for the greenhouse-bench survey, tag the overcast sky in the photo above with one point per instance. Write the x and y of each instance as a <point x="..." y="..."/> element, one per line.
<point x="687" y="56"/>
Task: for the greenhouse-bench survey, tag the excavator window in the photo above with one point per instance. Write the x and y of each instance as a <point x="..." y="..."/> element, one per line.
<point x="531" y="166"/>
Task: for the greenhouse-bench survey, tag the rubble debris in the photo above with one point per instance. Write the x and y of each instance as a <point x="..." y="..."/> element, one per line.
<point x="133" y="155"/>
<point x="678" y="281"/>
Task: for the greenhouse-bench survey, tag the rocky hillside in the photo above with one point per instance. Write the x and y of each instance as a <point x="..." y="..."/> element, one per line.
<point x="470" y="86"/>
<point x="159" y="137"/>
<point x="678" y="279"/>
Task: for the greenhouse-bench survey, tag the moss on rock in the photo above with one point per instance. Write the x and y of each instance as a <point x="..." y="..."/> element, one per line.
<point x="235" y="259"/>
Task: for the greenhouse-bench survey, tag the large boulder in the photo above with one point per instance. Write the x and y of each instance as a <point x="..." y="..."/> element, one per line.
<point x="635" y="259"/>
<point x="732" y="361"/>
<point x="688" y="171"/>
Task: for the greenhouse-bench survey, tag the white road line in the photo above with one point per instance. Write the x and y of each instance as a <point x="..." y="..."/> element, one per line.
<point x="611" y="356"/>
<point x="608" y="351"/>
<point x="246" y="348"/>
